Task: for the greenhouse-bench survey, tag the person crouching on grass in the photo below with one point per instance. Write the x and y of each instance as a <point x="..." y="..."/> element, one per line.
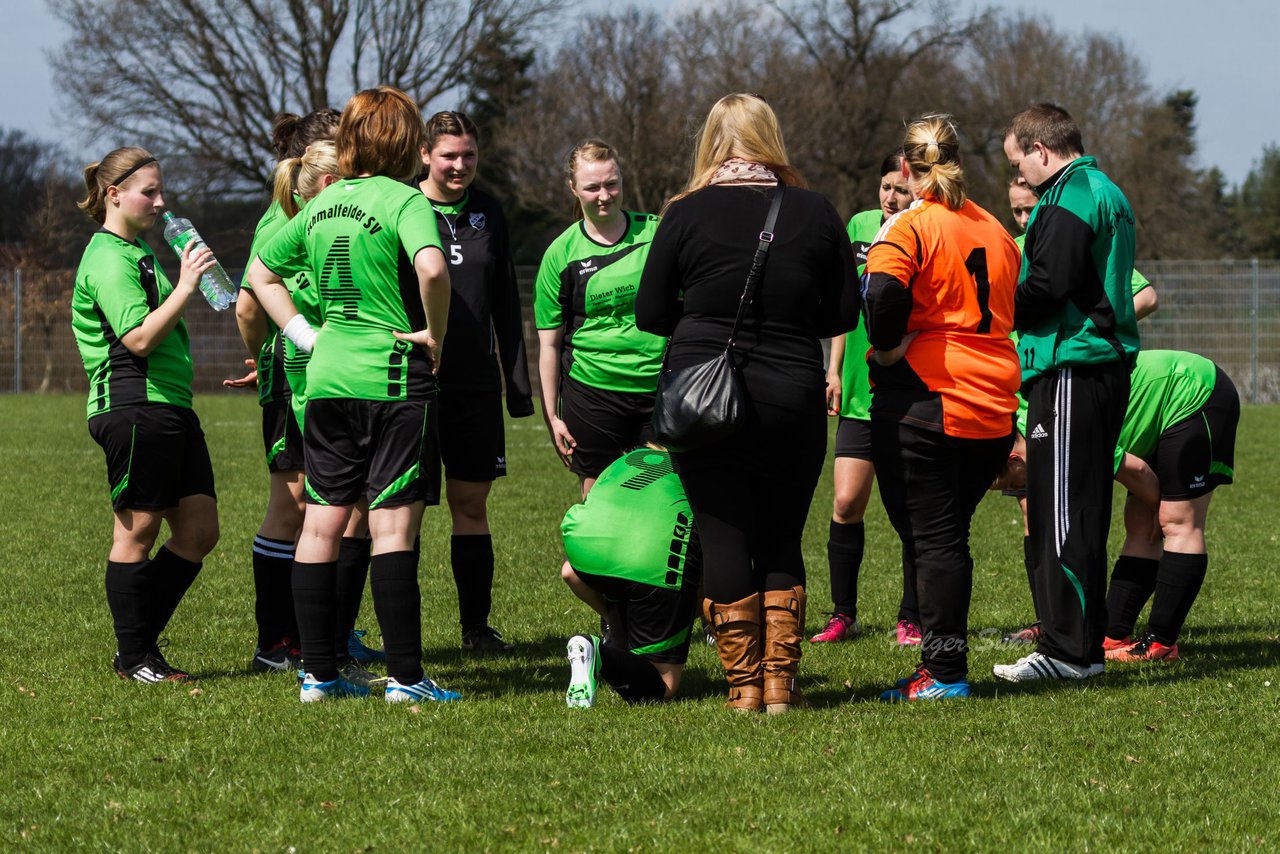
<point x="632" y="542"/>
<point x="128" y="325"/>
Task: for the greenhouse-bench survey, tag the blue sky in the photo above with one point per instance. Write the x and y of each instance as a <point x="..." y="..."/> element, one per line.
<point x="1227" y="52"/>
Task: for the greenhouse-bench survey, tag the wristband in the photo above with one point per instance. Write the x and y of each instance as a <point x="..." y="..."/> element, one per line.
<point x="299" y="331"/>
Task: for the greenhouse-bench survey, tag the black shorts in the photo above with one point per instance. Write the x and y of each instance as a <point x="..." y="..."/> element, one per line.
<point x="156" y="456"/>
<point x="853" y="438"/>
<point x="281" y="437"/>
<point x="605" y="424"/>
<point x="1198" y="453"/>
<point x="654" y="622"/>
<point x="381" y="450"/>
<point x="473" y="445"/>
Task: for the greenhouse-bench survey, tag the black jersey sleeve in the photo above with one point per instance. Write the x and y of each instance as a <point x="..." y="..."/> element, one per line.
<point x="1058" y="266"/>
<point x="508" y="326"/>
<point x="658" y="300"/>
<point x="841" y="298"/>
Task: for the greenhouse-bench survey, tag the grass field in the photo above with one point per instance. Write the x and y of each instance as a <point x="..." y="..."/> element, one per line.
<point x="1175" y="757"/>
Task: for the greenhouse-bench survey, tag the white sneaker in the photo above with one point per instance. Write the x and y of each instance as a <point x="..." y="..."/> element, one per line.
<point x="583" y="671"/>
<point x="1037" y="666"/>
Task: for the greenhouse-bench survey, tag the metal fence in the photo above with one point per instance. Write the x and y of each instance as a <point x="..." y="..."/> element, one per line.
<point x="1228" y="311"/>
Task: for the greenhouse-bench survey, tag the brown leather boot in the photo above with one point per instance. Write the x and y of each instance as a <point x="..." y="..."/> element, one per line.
<point x="736" y="626"/>
<point x="783" y="628"/>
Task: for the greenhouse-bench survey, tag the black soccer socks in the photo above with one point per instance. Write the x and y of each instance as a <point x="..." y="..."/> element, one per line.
<point x="169" y="577"/>
<point x="126" y="585"/>
<point x="845" y="546"/>
<point x="1132" y="581"/>
<point x="471" y="556"/>
<point x="353" y="571"/>
<point x="397" y="601"/>
<point x="317" y="609"/>
<point x="1177" y="585"/>
<point x="634" y="678"/>
<point x="273" y="591"/>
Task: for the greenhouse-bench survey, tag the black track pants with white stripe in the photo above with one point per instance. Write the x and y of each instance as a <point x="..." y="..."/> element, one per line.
<point x="1073" y="422"/>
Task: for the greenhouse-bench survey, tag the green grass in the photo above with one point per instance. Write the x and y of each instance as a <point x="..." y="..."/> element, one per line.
<point x="1178" y="757"/>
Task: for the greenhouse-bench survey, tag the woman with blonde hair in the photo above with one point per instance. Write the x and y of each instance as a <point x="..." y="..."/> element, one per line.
<point x="939" y="308"/>
<point x="368" y="433"/>
<point x="749" y="502"/>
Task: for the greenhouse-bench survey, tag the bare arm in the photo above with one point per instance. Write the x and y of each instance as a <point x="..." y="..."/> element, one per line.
<point x="549" y="344"/>
<point x="835" y="371"/>
<point x="251" y="320"/>
<point x="1145" y="302"/>
<point x="146" y="336"/>
<point x="1137" y="477"/>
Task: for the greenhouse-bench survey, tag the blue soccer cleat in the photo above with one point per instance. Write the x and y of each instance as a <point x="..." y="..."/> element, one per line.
<point x="922" y="686"/>
<point x="423" y="690"/>
<point x="361" y="653"/>
<point x="313" y="690"/>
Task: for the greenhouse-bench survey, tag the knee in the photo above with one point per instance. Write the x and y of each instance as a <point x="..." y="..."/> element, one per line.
<point x="845" y="509"/>
<point x="198" y="538"/>
<point x="470" y="509"/>
<point x="567" y="575"/>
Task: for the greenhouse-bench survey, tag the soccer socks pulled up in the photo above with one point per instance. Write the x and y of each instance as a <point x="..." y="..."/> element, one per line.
<point x="397" y="601"/>
<point x="1029" y="563"/>
<point x="634" y="678"/>
<point x="170" y="577"/>
<point x="317" y="609"/>
<point x="352" y="572"/>
<point x="845" y="546"/>
<point x="1178" y="583"/>
<point x="1132" y="581"/>
<point x="471" y="557"/>
<point x="126" y="585"/>
<point x="273" y="591"/>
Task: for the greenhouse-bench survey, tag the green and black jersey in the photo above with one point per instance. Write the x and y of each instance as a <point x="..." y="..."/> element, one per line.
<point x="117" y="285"/>
<point x="1074" y="301"/>
<point x="271" y="379"/>
<point x="590" y="289"/>
<point x="1137" y="284"/>
<point x="855" y="384"/>
<point x="635" y="523"/>
<point x="1165" y="387"/>
<point x="485" y="322"/>
<point x="355" y="238"/>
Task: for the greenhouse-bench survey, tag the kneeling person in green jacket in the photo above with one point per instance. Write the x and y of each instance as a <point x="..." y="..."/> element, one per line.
<point x="632" y="542"/>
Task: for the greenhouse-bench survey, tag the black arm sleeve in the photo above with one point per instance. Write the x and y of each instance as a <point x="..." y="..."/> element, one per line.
<point x="508" y="327"/>
<point x="658" y="303"/>
<point x="841" y="295"/>
<point x="1058" y="262"/>
<point x="888" y="309"/>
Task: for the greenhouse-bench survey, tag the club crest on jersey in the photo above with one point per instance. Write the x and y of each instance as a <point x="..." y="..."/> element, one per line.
<point x="476" y="220"/>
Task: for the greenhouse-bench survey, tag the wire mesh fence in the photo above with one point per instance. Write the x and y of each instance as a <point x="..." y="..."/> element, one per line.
<point x="1228" y="311"/>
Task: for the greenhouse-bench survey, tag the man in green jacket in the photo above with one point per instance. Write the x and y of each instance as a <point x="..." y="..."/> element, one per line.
<point x="1078" y="338"/>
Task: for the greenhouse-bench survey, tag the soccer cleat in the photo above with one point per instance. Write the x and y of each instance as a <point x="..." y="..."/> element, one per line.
<point x="361" y="653"/>
<point x="361" y="678"/>
<point x="313" y="690"/>
<point x="424" y="689"/>
<point x="921" y="685"/>
<point x="1024" y="637"/>
<point x="584" y="671"/>
<point x="153" y="668"/>
<point x="1146" y="649"/>
<point x="281" y="656"/>
<point x="838" y="628"/>
<point x="908" y="633"/>
<point x="1111" y="644"/>
<point x="1037" y="666"/>
<point x="484" y="639"/>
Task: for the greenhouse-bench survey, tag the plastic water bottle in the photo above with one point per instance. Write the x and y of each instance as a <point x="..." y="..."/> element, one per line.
<point x="215" y="284"/>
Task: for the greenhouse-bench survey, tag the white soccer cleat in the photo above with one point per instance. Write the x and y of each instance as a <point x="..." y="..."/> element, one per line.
<point x="1037" y="666"/>
<point x="584" y="668"/>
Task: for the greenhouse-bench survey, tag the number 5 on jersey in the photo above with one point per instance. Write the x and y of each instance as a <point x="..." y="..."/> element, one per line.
<point x="455" y="254"/>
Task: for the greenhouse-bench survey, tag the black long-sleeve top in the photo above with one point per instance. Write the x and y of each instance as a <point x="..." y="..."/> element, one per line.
<point x="698" y="266"/>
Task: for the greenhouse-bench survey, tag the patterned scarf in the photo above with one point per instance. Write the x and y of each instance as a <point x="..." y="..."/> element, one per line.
<point x="735" y="170"/>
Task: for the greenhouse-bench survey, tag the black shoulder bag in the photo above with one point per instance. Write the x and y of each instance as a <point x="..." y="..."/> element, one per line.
<point x="701" y="404"/>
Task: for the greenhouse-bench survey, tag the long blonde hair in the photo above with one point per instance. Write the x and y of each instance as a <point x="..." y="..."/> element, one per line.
<point x="740" y="125"/>
<point x="931" y="148"/>
<point x="302" y="175"/>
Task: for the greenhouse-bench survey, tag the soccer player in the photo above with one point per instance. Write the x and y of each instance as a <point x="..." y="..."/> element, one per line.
<point x="1078" y="338"/>
<point x="127" y="320"/>
<point x="939" y="309"/>
<point x="849" y="396"/>
<point x="484" y="324"/>
<point x="370" y="384"/>
<point x="598" y="371"/>
<point x="632" y="541"/>
<point x="1177" y="444"/>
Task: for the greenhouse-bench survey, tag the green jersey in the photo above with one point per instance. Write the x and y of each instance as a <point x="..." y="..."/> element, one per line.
<point x="355" y="238"/>
<point x="855" y="386"/>
<point x="117" y="285"/>
<point x="1165" y="387"/>
<point x="590" y="289"/>
<point x="635" y="523"/>
<point x="1137" y="284"/>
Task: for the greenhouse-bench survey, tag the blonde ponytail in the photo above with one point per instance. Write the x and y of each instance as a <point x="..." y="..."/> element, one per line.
<point x="931" y="149"/>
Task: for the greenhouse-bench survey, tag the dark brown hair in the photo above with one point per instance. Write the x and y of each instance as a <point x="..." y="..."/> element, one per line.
<point x="380" y="134"/>
<point x="291" y="133"/>
<point x="449" y="123"/>
<point x="1049" y="125"/>
<point x="108" y="172"/>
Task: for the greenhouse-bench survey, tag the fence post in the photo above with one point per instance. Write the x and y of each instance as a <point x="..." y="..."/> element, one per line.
<point x="17" y="331"/>
<point x="1254" y="346"/>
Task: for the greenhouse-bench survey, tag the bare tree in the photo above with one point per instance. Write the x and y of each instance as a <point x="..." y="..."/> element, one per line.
<point x="200" y="82"/>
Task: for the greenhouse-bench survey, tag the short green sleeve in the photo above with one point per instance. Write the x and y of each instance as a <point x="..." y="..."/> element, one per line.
<point x="1139" y="282"/>
<point x="416" y="226"/>
<point x="116" y="288"/>
<point x="285" y="254"/>
<point x="547" y="312"/>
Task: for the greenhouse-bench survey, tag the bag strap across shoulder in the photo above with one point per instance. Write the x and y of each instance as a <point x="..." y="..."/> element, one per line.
<point x="757" y="263"/>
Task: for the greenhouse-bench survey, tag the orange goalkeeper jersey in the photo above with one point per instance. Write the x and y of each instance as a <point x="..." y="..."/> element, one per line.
<point x="948" y="276"/>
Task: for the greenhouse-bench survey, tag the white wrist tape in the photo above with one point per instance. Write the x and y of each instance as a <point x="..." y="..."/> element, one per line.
<point x="300" y="332"/>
